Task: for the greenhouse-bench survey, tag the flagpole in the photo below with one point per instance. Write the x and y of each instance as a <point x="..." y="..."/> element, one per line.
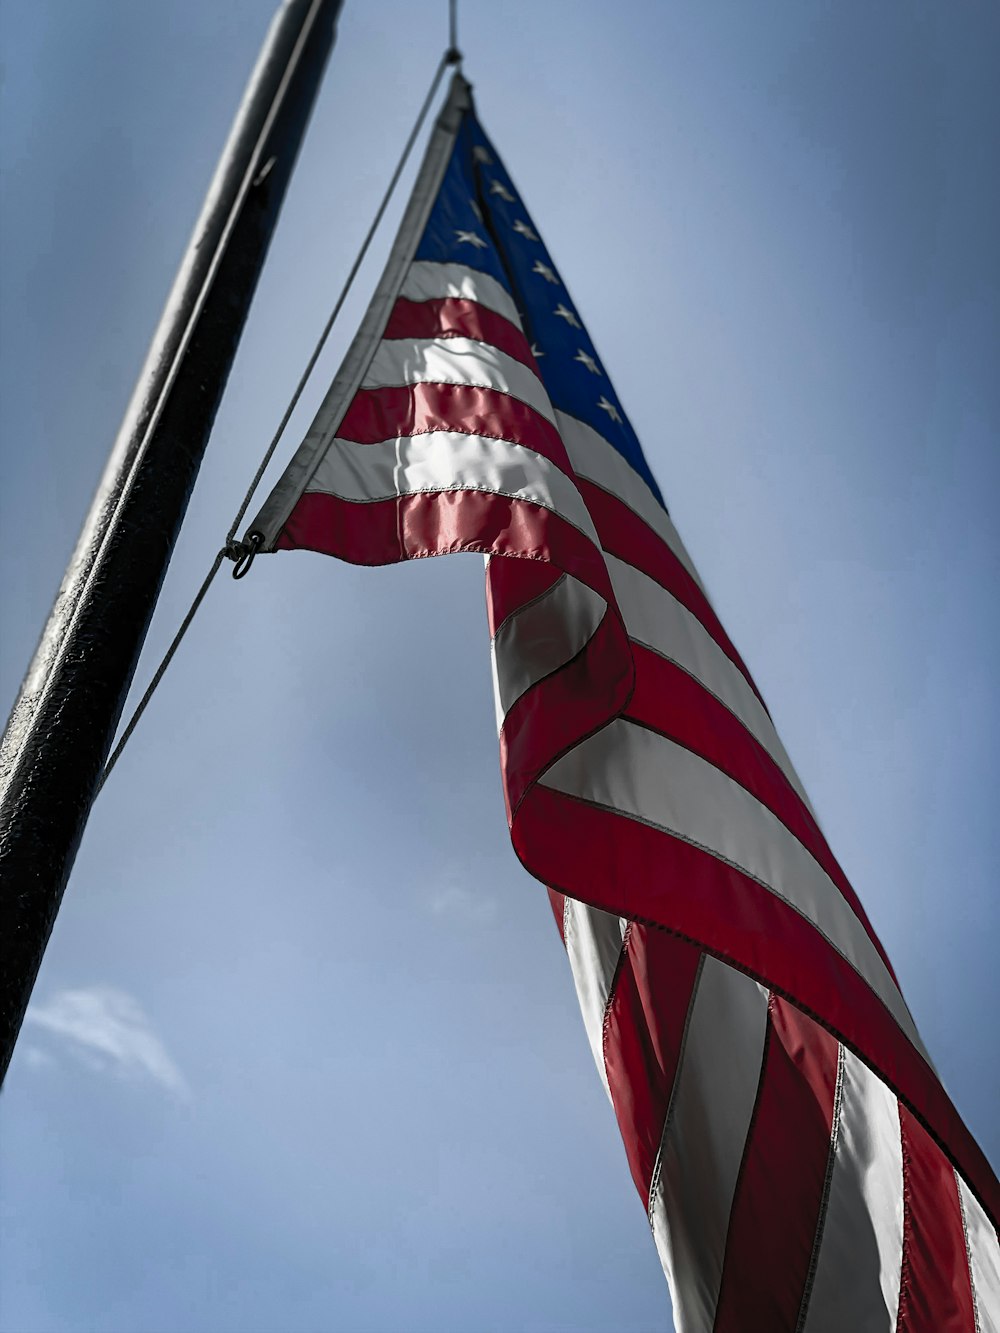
<point x="63" y="722"/>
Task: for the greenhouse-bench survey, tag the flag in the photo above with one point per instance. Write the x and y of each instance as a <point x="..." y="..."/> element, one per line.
<point x="800" y="1162"/>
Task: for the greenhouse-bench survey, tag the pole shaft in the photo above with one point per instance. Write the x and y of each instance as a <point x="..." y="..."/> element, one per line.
<point x="63" y="723"/>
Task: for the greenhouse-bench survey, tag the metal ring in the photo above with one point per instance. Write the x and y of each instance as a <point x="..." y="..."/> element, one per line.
<point x="248" y="551"/>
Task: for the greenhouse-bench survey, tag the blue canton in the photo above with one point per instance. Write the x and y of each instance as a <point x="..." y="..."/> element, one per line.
<point x="478" y="220"/>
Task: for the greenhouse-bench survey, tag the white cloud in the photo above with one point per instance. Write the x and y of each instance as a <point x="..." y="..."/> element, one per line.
<point x="454" y="901"/>
<point x="36" y="1058"/>
<point x="107" y="1029"/>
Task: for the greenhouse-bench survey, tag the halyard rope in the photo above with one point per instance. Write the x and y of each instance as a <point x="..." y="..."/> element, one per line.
<point x="233" y="549"/>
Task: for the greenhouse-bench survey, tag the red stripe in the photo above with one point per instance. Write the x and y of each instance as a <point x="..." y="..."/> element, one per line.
<point x="779" y="1195"/>
<point x="630" y="538"/>
<point x="559" y="710"/>
<point x="632" y="870"/>
<point x="400" y="410"/>
<point x="672" y="703"/>
<point x="365" y="534"/>
<point x="643" y="1032"/>
<point x="454" y="317"/>
<point x="438" y="523"/>
<point x="511" y="584"/>
<point x="935" y="1294"/>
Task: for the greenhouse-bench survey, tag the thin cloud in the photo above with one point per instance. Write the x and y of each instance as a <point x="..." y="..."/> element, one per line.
<point x="36" y="1058"/>
<point x="106" y="1029"/>
<point x="452" y="900"/>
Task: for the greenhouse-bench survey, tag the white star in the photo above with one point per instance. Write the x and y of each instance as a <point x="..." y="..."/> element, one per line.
<point x="479" y="154"/>
<point x="587" y="360"/>
<point x="535" y="351"/>
<point x="471" y="238"/>
<point x="525" y="230"/>
<point x="498" y="187"/>
<point x="610" y="408"/>
<point x="544" y="271"/>
<point x="567" y="315"/>
<point x="476" y="209"/>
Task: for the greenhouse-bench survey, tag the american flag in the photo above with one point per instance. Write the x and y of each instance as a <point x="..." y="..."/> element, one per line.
<point x="801" y="1165"/>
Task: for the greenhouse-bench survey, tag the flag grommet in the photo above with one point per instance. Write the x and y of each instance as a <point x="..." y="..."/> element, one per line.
<point x="244" y="553"/>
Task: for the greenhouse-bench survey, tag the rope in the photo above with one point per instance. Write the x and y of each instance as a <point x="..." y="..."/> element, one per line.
<point x="454" y="54"/>
<point x="158" y="674"/>
<point x="241" y="552"/>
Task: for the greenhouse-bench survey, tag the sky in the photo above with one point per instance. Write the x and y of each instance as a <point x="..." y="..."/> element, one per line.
<point x="304" y="1051"/>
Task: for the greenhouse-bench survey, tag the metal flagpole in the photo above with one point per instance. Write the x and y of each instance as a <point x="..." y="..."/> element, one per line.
<point x="63" y="723"/>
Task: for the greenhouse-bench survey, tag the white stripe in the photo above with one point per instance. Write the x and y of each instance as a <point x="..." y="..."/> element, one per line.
<point x="594" y="458"/>
<point x="694" y="1180"/>
<point x="630" y="769"/>
<point x="598" y="461"/>
<point x="858" y="1272"/>
<point x="279" y="504"/>
<point x="455" y="361"/>
<point x="542" y="636"/>
<point x="656" y="619"/>
<point x="984" y="1261"/>
<point x="441" y="461"/>
<point x="427" y="281"/>
<point x="593" y="944"/>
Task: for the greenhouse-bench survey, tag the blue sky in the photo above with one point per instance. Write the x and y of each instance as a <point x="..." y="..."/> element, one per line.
<point x="304" y="1052"/>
